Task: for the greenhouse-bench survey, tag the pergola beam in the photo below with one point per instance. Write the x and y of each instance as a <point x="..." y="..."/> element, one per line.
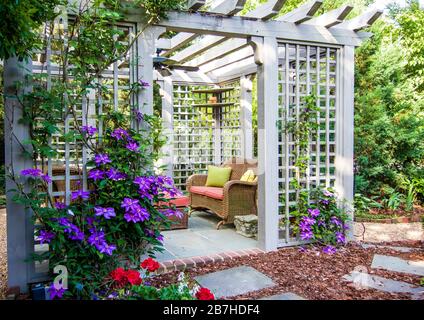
<point x="241" y="27"/>
<point x="302" y="13"/>
<point x="267" y="10"/>
<point x="363" y="21"/>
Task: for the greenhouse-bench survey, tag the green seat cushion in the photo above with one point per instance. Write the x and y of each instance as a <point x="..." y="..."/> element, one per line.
<point x="217" y="176"/>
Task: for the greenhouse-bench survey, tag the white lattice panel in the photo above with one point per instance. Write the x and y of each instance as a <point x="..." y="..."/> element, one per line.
<point x="305" y="70"/>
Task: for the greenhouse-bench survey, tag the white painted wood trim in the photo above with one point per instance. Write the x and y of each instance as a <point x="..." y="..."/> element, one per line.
<point x="267" y="145"/>
<point x="246" y="86"/>
<point x="167" y="93"/>
<point x="345" y="133"/>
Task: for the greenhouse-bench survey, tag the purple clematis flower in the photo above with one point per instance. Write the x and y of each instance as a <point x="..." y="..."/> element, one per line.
<point x="89" y="130"/>
<point x="31" y="172"/>
<point x="45" y="236"/>
<point x="106" y="248"/>
<point x="138" y="115"/>
<point x="102" y="158"/>
<point x="340" y="238"/>
<point x="329" y="250"/>
<point x="84" y="195"/>
<point x="130" y="204"/>
<point x="119" y="134"/>
<point x="115" y="175"/>
<point x="132" y="146"/>
<point x="306" y="235"/>
<point x="304" y="226"/>
<point x="74" y="233"/>
<point x="325" y="202"/>
<point x="309" y="220"/>
<point x="138" y="215"/>
<point x="96" y="174"/>
<point x="60" y="205"/>
<point x="314" y="212"/>
<point x="105" y="212"/>
<point x="96" y="238"/>
<point x="56" y="293"/>
<point x="336" y="221"/>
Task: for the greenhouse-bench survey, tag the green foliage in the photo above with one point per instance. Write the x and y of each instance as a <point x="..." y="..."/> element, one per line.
<point x="20" y="23"/>
<point x="389" y="109"/>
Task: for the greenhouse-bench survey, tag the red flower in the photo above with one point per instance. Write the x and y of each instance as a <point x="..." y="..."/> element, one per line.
<point x="204" y="294"/>
<point x="119" y="275"/>
<point x="133" y="277"/>
<point x="150" y="264"/>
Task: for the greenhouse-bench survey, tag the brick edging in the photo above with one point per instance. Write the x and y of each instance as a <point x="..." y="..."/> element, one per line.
<point x="197" y="261"/>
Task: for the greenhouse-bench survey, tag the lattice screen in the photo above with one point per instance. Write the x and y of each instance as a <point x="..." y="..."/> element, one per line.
<point x="204" y="133"/>
<point x="305" y="70"/>
<point x="230" y="123"/>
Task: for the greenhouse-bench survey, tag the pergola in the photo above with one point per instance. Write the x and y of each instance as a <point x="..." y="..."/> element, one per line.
<point x="291" y="55"/>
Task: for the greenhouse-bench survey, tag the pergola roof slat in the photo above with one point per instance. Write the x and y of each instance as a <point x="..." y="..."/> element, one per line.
<point x="236" y="56"/>
<point x="228" y="7"/>
<point x="302" y="13"/>
<point x="195" y="4"/>
<point x="362" y="21"/>
<point x="218" y="51"/>
<point x="332" y="17"/>
<point x="267" y="10"/>
<point x="203" y="45"/>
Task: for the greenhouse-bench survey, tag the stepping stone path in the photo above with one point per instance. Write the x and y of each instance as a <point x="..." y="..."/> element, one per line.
<point x="365" y="280"/>
<point x="235" y="281"/>
<point x="284" y="296"/>
<point x="398" y="265"/>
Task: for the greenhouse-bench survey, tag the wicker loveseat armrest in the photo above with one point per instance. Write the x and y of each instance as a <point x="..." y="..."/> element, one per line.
<point x="239" y="185"/>
<point x="196" y="180"/>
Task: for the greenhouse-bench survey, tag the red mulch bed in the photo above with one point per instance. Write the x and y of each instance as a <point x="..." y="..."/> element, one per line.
<point x="311" y="274"/>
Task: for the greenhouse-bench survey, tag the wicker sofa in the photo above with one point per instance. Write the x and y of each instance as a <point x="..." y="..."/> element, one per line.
<point x="234" y="199"/>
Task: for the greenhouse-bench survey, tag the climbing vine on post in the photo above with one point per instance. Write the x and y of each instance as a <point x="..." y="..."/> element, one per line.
<point x="317" y="215"/>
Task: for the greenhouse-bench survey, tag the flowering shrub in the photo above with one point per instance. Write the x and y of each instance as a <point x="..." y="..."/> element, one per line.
<point x="134" y="285"/>
<point x="323" y="221"/>
<point x="111" y="222"/>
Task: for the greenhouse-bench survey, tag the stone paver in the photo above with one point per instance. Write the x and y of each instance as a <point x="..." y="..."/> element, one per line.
<point x="398" y="265"/>
<point x="202" y="239"/>
<point x="364" y="280"/>
<point x="284" y="296"/>
<point x="400" y="249"/>
<point x="378" y="232"/>
<point x="235" y="281"/>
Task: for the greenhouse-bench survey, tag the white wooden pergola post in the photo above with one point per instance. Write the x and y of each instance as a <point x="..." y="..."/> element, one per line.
<point x="345" y="133"/>
<point x="266" y="52"/>
<point x="20" y="229"/>
<point x="246" y="116"/>
<point x="167" y="94"/>
<point x="145" y="52"/>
